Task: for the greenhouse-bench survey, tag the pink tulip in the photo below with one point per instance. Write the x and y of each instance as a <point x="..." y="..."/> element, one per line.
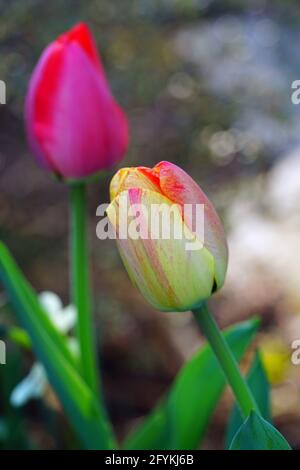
<point x="75" y="127"/>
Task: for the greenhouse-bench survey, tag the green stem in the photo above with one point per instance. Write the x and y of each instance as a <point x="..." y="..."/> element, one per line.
<point x="81" y="284"/>
<point x="242" y="393"/>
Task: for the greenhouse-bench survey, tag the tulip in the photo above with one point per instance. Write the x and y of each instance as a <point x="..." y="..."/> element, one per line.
<point x="74" y="126"/>
<point x="169" y="276"/>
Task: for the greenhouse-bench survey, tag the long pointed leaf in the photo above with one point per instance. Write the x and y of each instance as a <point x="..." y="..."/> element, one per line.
<point x="257" y="434"/>
<point x="81" y="406"/>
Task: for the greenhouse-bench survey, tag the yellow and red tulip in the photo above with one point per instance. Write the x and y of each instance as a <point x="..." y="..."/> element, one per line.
<point x="169" y="276"/>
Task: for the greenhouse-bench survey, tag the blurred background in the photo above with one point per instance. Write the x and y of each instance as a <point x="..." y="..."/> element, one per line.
<point x="206" y="84"/>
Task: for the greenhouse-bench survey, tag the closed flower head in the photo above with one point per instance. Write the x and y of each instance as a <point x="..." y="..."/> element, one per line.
<point x="180" y="266"/>
<point x="75" y="127"/>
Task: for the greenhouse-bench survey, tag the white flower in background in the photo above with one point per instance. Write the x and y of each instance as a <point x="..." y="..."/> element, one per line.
<point x="33" y="386"/>
<point x="35" y="383"/>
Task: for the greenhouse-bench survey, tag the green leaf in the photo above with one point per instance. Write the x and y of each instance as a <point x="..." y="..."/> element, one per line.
<point x="16" y="335"/>
<point x="257" y="434"/>
<point x="180" y="420"/>
<point x="17" y="287"/>
<point x="79" y="402"/>
<point x="259" y="385"/>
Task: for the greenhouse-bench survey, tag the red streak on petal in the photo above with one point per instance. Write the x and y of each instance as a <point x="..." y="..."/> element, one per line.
<point x="151" y="174"/>
<point x="150" y="250"/>
<point x="48" y="78"/>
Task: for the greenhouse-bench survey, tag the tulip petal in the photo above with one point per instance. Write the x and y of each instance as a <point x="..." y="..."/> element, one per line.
<point x="81" y="35"/>
<point x="170" y="277"/>
<point x="74" y="125"/>
<point x="127" y="178"/>
<point x="180" y="188"/>
<point x="39" y="100"/>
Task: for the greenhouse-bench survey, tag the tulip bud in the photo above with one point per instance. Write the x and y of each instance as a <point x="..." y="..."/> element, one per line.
<point x="74" y="126"/>
<point x="170" y="276"/>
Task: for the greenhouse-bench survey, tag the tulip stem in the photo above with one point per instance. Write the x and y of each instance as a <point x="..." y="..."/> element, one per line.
<point x="240" y="389"/>
<point x="81" y="284"/>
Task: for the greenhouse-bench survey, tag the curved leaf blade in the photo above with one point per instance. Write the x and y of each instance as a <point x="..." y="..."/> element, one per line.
<point x="81" y="405"/>
<point x="257" y="434"/>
